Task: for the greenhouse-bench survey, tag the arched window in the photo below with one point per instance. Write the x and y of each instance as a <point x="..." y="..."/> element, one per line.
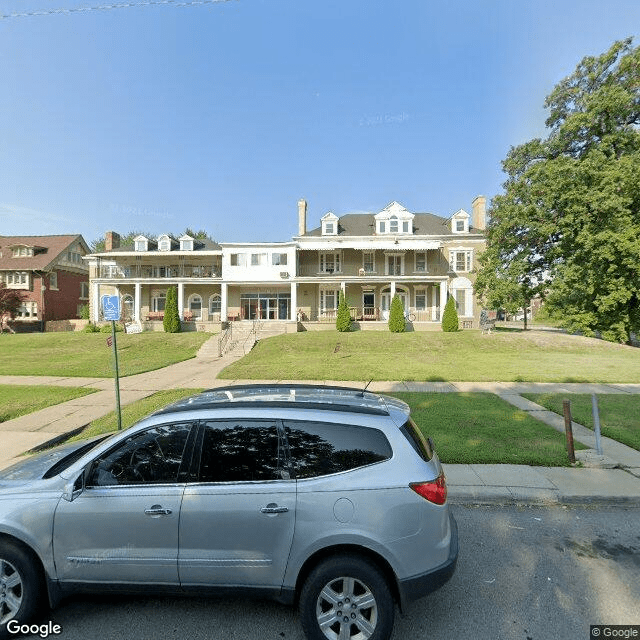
<point x="393" y="224"/>
<point x="215" y="304"/>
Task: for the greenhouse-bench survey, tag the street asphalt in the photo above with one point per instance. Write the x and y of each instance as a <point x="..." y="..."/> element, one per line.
<point x="613" y="478"/>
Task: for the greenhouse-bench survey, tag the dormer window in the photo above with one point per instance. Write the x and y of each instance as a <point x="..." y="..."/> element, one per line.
<point x="141" y="243"/>
<point x="186" y="243"/>
<point x="22" y="252"/>
<point x="164" y="243"/>
<point x="329" y="224"/>
<point x="394" y="219"/>
<point x="460" y="222"/>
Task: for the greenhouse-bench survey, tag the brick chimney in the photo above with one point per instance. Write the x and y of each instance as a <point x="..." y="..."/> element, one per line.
<point x="302" y="217"/>
<point x="111" y="241"/>
<point x="479" y="218"/>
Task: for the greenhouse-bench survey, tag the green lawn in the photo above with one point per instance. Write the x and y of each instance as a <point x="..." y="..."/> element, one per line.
<point x="18" y="400"/>
<point x="619" y="413"/>
<point x="87" y="354"/>
<point x="531" y="356"/>
<point x="480" y="428"/>
<point x="466" y="427"/>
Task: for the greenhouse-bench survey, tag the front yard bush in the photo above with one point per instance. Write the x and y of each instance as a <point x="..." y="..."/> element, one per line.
<point x="450" y="316"/>
<point x="397" y="323"/>
<point x="343" y="317"/>
<point x="171" y="320"/>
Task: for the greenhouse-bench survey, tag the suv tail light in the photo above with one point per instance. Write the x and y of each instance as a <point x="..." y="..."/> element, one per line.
<point x="434" y="491"/>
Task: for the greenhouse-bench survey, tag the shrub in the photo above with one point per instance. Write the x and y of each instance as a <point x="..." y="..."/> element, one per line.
<point x="92" y="328"/>
<point x="84" y="312"/>
<point x="343" y="317"/>
<point x="397" y="323"/>
<point x="450" y="316"/>
<point x="171" y="320"/>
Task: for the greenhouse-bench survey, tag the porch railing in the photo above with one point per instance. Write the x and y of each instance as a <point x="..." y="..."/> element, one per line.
<point x="146" y="271"/>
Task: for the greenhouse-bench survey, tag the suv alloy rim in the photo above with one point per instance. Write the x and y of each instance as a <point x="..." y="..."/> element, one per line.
<point x="10" y="591"/>
<point x="346" y="610"/>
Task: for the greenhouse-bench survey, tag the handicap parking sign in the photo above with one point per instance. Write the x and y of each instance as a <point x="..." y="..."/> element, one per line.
<point x="111" y="307"/>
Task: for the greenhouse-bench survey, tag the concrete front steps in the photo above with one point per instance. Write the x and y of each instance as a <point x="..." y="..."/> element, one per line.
<point x="245" y="333"/>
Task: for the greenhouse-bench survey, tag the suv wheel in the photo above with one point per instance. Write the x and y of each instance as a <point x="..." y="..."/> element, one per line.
<point x="19" y="587"/>
<point x="346" y="598"/>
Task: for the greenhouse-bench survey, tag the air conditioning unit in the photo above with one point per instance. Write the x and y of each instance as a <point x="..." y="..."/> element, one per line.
<point x="284" y="274"/>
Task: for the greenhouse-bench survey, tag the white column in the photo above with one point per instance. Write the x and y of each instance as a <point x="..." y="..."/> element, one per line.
<point x="181" y="300"/>
<point x="343" y="286"/>
<point x="393" y="289"/>
<point x="136" y="302"/>
<point x="95" y="311"/>
<point x="223" y="302"/>
<point x="432" y="296"/>
<point x="294" y="301"/>
<point x="443" y="297"/>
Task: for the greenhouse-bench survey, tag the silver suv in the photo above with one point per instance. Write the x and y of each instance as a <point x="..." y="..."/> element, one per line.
<point x="328" y="497"/>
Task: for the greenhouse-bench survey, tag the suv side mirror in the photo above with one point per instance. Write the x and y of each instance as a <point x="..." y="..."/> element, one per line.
<point x="74" y="488"/>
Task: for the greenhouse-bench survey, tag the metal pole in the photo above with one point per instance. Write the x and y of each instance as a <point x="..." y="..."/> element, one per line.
<point x="596" y="423"/>
<point x="566" y="409"/>
<point x="117" y="379"/>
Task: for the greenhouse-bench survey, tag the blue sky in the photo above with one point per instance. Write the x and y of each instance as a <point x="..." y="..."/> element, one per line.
<point x="221" y="116"/>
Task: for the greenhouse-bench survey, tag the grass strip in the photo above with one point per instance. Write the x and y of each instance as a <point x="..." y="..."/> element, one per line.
<point x="19" y="400"/>
<point x="480" y="428"/>
<point x="619" y="413"/>
<point x="87" y="354"/>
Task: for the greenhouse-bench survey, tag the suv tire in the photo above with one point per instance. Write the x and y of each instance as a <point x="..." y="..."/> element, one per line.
<point x="346" y="590"/>
<point x="19" y="587"/>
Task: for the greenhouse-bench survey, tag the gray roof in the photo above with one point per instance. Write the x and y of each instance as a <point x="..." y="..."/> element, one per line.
<point x="364" y="224"/>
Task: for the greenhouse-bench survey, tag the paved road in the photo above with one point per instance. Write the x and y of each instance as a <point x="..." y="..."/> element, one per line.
<point x="524" y="573"/>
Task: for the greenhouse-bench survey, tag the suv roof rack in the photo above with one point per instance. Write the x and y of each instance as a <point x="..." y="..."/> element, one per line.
<point x="302" y="396"/>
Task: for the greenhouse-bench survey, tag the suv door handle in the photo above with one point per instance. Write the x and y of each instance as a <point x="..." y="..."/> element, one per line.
<point x="272" y="507"/>
<point x="157" y="510"/>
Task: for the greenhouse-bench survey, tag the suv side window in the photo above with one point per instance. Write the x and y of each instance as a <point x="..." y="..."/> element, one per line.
<point x="242" y="451"/>
<point x="319" y="448"/>
<point x="151" y="457"/>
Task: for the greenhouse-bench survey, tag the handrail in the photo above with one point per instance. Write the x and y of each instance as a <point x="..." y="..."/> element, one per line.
<point x="254" y="330"/>
<point x="224" y="340"/>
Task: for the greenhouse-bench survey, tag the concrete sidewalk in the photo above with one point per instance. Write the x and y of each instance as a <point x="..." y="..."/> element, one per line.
<point x="614" y="480"/>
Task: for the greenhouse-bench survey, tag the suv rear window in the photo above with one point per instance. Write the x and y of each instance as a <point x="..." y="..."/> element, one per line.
<point x="413" y="434"/>
<point x="319" y="448"/>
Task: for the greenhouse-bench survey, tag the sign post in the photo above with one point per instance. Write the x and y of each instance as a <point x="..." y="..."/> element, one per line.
<point x="111" y="311"/>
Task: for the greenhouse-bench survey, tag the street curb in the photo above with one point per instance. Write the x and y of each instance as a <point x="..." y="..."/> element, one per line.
<point x="575" y="501"/>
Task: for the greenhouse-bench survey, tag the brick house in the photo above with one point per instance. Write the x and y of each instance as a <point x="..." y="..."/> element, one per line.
<point x="51" y="273"/>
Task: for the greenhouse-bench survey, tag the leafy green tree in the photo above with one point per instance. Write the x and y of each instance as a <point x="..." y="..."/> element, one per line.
<point x="450" y="316"/>
<point x="397" y="322"/>
<point x="343" y="317"/>
<point x="566" y="225"/>
<point x="171" y="320"/>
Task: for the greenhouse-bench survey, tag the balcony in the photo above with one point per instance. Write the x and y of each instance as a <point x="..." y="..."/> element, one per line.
<point x="136" y="272"/>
